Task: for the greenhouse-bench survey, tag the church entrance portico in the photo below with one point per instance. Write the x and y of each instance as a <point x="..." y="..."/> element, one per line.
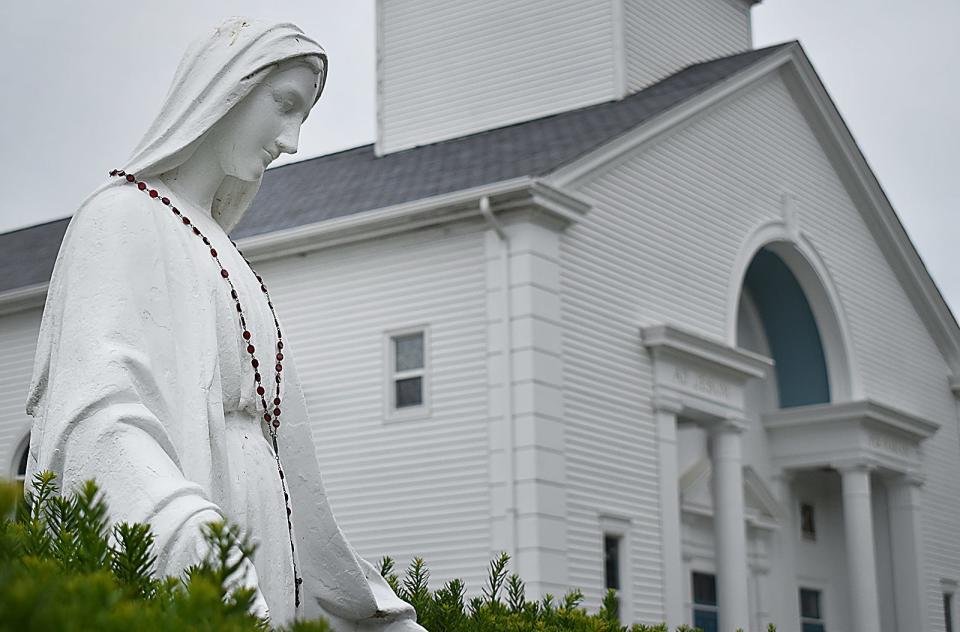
<point x="700" y="383"/>
<point x="875" y="451"/>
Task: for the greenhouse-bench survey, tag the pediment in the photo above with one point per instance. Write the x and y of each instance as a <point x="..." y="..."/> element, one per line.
<point x="761" y="507"/>
<point x="792" y="64"/>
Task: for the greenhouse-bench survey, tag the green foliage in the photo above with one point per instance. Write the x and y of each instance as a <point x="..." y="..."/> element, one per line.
<point x="62" y="568"/>
<point x="502" y="605"/>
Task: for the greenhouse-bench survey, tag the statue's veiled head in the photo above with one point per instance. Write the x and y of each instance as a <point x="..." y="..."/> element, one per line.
<point x="266" y="123"/>
<point x="239" y="95"/>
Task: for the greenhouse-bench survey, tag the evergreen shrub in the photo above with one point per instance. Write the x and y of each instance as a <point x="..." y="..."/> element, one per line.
<point x="63" y="568"/>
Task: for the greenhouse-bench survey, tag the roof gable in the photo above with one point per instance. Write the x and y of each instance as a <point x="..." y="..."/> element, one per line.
<point x="837" y="141"/>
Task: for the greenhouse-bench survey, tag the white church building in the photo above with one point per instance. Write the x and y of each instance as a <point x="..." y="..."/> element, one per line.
<point x="617" y="295"/>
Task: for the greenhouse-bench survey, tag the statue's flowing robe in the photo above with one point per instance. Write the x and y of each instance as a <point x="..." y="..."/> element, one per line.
<point x="143" y="383"/>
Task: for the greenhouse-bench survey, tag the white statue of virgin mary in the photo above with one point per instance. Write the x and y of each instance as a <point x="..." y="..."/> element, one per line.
<point x="147" y="376"/>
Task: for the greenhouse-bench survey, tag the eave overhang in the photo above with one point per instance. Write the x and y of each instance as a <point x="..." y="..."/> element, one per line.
<point x="530" y="195"/>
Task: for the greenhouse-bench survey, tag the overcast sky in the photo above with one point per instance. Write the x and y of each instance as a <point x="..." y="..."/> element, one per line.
<point x="82" y="81"/>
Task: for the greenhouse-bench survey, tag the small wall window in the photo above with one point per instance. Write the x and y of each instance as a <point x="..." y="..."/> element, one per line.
<point x="948" y="611"/>
<point x="808" y="522"/>
<point x="811" y="616"/>
<point x="611" y="561"/>
<point x="614" y="541"/>
<point x="611" y="565"/>
<point x="705" y="611"/>
<point x="407" y="386"/>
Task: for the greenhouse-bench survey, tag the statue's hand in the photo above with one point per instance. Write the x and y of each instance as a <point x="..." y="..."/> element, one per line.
<point x="259" y="607"/>
<point x="246" y="577"/>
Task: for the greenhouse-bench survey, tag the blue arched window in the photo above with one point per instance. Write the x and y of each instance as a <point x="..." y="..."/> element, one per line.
<point x="791" y="331"/>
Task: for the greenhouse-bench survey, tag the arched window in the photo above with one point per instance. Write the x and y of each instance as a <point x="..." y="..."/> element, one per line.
<point x="791" y="330"/>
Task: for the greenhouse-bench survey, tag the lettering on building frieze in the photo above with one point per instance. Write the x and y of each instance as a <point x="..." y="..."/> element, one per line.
<point x="891" y="444"/>
<point x="700" y="383"/>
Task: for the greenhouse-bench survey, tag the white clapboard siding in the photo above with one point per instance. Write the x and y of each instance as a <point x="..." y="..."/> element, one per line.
<point x="663" y="36"/>
<point x="447" y="69"/>
<point x="659" y="246"/>
<point x="18" y="339"/>
<point x="398" y="488"/>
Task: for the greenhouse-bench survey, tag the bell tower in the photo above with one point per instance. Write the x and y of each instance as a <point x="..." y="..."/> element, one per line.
<point x="450" y="68"/>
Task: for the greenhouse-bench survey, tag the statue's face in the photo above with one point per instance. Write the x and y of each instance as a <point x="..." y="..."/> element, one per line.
<point x="266" y="123"/>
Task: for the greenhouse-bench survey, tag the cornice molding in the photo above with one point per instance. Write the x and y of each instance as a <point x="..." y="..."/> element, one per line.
<point x="521" y="194"/>
<point x="692" y="346"/>
<point x="23" y="298"/>
<point x="527" y="194"/>
<point x="863" y="411"/>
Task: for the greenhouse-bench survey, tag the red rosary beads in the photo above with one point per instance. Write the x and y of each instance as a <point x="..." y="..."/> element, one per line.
<point x="273" y="420"/>
<point x="270" y="417"/>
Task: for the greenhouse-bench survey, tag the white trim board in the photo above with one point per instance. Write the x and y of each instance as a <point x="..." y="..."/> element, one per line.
<point x="528" y="194"/>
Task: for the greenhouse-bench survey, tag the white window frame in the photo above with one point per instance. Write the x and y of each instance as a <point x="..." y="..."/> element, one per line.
<point x="693" y="605"/>
<point x="818" y="588"/>
<point x="390" y="411"/>
<point x="807" y="537"/>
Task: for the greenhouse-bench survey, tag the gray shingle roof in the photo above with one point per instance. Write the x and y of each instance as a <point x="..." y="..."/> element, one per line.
<point x="356" y="180"/>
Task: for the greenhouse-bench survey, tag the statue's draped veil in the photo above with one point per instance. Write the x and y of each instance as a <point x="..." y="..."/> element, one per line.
<point x="217" y="71"/>
<point x="215" y="74"/>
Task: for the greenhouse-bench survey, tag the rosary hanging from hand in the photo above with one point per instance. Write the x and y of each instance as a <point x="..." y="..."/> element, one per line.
<point x="270" y="418"/>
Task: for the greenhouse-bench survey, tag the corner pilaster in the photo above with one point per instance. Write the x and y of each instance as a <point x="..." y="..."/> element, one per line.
<point x="528" y="467"/>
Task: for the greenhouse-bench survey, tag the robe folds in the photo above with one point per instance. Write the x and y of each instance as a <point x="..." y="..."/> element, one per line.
<point x="143" y="383"/>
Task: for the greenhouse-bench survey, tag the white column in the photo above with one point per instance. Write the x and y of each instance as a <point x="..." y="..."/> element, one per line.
<point x="670" y="515"/>
<point x="729" y="527"/>
<point x="908" y="581"/>
<point x="861" y="556"/>
<point x="785" y="613"/>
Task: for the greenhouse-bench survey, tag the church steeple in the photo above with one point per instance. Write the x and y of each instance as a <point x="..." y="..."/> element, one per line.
<point x="446" y="69"/>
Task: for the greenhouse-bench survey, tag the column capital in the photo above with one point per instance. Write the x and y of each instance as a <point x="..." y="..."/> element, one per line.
<point x="732" y="424"/>
<point x="666" y="404"/>
<point x="908" y="479"/>
<point x="855" y="465"/>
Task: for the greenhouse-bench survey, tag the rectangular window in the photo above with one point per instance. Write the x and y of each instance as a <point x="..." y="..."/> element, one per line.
<point x="614" y="550"/>
<point x="811" y="616"/>
<point x="611" y="561"/>
<point x="948" y="612"/>
<point x="808" y="524"/>
<point x="705" y="602"/>
<point x="407" y="373"/>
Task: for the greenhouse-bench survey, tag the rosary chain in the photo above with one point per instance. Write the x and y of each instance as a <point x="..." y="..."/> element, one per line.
<point x="272" y="421"/>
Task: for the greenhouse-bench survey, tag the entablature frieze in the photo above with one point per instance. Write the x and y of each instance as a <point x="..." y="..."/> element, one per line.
<point x="697" y="377"/>
<point x="850" y="434"/>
